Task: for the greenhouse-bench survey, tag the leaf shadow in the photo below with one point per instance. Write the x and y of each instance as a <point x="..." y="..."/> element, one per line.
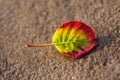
<point x="102" y="42"/>
<point x="105" y="41"/>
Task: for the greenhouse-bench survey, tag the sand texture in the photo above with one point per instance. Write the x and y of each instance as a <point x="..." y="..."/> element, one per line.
<point x="35" y="21"/>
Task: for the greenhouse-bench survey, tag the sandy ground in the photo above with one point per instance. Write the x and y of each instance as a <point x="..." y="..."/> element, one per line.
<point x="35" y="21"/>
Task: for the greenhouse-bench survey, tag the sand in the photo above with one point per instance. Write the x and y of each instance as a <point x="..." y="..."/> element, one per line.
<point x="35" y="21"/>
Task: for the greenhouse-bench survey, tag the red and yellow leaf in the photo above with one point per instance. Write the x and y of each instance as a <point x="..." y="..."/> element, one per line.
<point x="74" y="39"/>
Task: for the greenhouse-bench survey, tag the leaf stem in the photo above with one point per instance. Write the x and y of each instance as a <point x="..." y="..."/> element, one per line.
<point x="43" y="45"/>
<point x="38" y="45"/>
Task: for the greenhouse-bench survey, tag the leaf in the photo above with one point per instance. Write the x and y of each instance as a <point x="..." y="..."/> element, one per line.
<point x="74" y="39"/>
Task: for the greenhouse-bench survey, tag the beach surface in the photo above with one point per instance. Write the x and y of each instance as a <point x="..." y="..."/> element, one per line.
<point x="35" y="21"/>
